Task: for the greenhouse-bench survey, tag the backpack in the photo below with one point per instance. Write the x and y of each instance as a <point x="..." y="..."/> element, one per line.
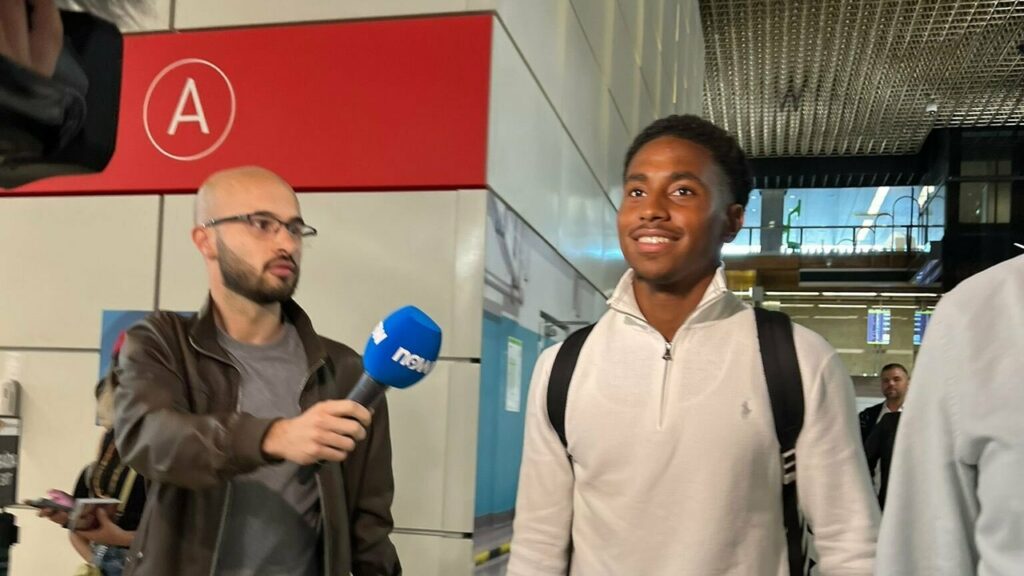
<point x="785" y="390"/>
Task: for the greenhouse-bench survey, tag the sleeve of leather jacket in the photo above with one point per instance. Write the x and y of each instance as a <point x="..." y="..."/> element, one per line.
<point x="157" y="434"/>
<point x="373" y="553"/>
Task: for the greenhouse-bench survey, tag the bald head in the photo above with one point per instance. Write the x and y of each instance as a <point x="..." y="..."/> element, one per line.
<point x="231" y="191"/>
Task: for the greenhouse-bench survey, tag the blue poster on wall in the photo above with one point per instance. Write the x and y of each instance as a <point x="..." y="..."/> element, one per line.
<point x="114" y="323"/>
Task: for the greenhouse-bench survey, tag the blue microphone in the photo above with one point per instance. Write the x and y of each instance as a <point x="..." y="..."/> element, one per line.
<point x="402" y="349"/>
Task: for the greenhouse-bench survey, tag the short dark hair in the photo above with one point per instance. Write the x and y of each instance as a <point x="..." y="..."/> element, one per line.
<point x="895" y="365"/>
<point x="722" y="146"/>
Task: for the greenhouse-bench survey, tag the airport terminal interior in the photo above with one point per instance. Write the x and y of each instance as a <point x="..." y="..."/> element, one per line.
<point x="466" y="157"/>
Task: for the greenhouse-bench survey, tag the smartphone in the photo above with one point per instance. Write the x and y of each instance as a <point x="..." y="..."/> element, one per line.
<point x="47" y="504"/>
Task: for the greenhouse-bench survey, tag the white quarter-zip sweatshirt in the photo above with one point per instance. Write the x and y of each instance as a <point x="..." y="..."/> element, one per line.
<point x="675" y="463"/>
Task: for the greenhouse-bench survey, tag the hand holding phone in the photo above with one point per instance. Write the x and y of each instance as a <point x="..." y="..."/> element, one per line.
<point x="56" y="506"/>
<point x="47" y="504"/>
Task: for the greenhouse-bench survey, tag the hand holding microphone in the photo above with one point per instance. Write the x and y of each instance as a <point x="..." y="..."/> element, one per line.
<point x="401" y="350"/>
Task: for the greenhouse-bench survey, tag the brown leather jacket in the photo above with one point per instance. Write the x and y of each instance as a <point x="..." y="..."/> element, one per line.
<point x="178" y="425"/>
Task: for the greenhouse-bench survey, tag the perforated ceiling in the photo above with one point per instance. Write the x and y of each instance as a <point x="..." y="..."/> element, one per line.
<point x="855" y="77"/>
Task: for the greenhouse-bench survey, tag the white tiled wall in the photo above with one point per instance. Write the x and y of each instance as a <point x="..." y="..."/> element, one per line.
<point x="66" y="259"/>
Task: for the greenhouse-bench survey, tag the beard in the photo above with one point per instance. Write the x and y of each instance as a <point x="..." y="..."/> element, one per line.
<point x="241" y="278"/>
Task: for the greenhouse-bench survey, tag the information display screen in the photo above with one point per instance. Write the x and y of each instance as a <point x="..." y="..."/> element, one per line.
<point x="921" y="320"/>
<point x="879" y="325"/>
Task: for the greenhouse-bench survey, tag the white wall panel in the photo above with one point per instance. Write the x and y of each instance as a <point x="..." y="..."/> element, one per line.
<point x="461" y="443"/>
<point x="205" y="14"/>
<point x="183" y="285"/>
<point x="584" y="100"/>
<point x="524" y="142"/>
<point x="418" y="433"/>
<point x="650" y="49"/>
<point x="625" y="74"/>
<point x="424" y="555"/>
<point x="618" y="142"/>
<point x="67" y="259"/>
<point x="580" y="234"/>
<point x="669" y="54"/>
<point x="59" y="438"/>
<point x="632" y="16"/>
<point x="538" y="28"/>
<point x="597" y="18"/>
<point x="434" y="448"/>
<point x="614" y="263"/>
<point x="463" y="337"/>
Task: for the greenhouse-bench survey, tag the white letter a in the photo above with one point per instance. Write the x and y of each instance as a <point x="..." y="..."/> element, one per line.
<point x="189" y="92"/>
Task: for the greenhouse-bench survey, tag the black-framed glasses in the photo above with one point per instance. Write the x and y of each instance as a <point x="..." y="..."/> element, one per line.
<point x="266" y="224"/>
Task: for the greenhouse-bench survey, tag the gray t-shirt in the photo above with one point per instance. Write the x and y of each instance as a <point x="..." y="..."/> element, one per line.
<point x="273" y="519"/>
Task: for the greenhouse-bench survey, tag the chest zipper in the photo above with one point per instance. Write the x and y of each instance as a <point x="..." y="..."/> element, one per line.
<point x="667" y="357"/>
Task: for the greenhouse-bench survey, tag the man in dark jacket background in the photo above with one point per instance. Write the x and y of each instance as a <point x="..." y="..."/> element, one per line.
<point x="878" y="425"/>
<point x="254" y="465"/>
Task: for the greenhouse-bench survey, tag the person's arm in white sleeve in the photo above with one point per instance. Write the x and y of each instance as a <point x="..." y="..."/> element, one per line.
<point x="544" y="505"/>
<point x="833" y="486"/>
<point x="930" y="509"/>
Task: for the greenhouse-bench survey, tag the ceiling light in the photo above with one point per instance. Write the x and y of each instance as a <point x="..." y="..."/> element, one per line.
<point x="909" y="295"/>
<point x="796" y="305"/>
<point x="842" y="305"/>
<point x="793" y="293"/>
<point x="836" y="317"/>
<point x="851" y="294"/>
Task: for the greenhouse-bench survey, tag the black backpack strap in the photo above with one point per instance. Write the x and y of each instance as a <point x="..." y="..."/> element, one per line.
<point x="785" y="390"/>
<point x="561" y="375"/>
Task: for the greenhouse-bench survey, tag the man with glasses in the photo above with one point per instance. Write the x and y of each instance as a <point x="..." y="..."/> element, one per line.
<point x="233" y="417"/>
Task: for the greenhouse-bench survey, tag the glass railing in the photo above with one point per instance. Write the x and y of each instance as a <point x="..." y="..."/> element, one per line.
<point x="834" y="239"/>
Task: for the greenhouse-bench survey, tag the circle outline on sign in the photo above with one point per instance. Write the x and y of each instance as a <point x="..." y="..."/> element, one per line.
<point x="149" y="93"/>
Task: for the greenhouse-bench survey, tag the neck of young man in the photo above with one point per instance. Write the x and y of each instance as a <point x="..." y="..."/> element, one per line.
<point x="894" y="405"/>
<point x="667" y="306"/>
<point x="244" y="320"/>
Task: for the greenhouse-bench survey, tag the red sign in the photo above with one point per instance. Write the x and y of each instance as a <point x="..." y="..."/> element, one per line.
<point x="379" y="105"/>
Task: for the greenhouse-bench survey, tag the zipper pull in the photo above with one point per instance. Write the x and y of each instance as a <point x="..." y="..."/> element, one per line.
<point x="668" y="352"/>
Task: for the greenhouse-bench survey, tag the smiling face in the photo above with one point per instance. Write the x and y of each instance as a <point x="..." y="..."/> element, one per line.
<point x="676" y="213"/>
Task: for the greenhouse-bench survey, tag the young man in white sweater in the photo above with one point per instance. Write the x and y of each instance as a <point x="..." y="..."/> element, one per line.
<point x="673" y="466"/>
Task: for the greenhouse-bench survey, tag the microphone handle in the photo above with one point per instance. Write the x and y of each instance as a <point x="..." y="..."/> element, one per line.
<point x="367" y="391"/>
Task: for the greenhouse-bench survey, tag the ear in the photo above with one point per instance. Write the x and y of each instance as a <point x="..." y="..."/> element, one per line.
<point x="204" y="242"/>
<point x="734" y="214"/>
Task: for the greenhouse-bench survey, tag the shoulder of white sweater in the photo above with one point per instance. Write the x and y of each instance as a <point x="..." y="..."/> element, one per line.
<point x="813" y="352"/>
<point x="810" y="345"/>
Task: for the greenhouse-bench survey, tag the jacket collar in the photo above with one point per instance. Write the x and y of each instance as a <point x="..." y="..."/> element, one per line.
<point x="718" y="301"/>
<point x="204" y="332"/>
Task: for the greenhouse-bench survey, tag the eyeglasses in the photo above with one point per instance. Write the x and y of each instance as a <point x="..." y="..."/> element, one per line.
<point x="266" y="224"/>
